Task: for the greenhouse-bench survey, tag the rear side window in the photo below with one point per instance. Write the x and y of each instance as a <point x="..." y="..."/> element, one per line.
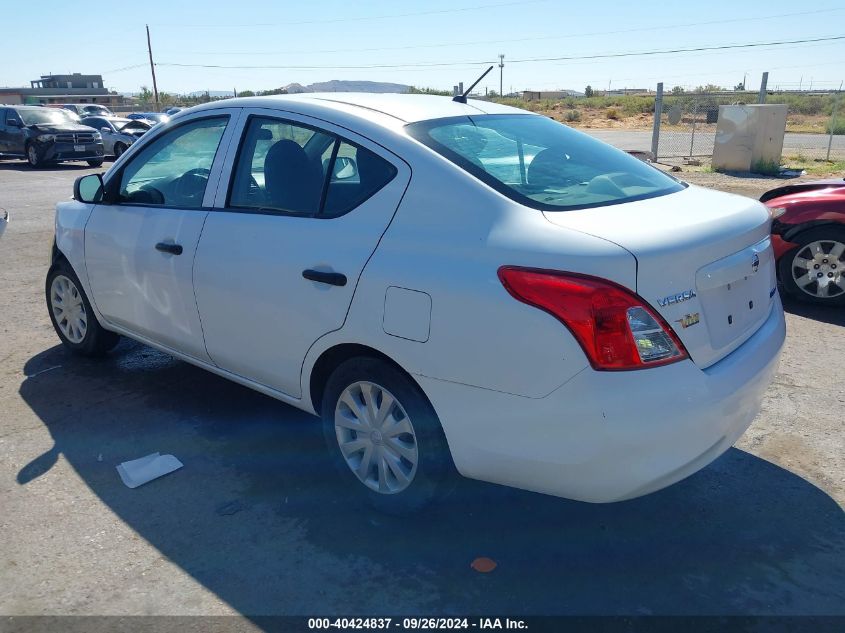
<point x="279" y="168"/>
<point x="357" y="174"/>
<point x="541" y="163"/>
<point x="292" y="169"/>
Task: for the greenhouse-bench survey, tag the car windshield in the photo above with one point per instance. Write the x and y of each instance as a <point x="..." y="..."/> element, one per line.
<point x="43" y="115"/>
<point x="541" y="163"/>
<point x="95" y="110"/>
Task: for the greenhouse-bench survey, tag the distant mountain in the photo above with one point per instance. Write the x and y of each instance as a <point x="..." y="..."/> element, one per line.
<point x="341" y="85"/>
<point x="211" y="93"/>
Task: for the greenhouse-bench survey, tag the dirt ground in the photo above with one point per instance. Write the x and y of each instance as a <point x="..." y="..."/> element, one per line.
<point x="253" y="524"/>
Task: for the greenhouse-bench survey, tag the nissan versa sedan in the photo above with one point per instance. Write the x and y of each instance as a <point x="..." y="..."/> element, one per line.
<point x="450" y="286"/>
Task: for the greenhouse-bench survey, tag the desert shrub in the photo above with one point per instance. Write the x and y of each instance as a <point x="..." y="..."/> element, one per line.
<point x="572" y="115"/>
<point x="838" y="127"/>
<point x="612" y="113"/>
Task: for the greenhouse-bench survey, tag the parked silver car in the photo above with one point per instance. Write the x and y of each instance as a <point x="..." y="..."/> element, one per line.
<point x="118" y="133"/>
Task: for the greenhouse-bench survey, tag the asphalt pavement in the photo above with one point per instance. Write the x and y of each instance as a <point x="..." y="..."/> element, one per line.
<point x="253" y="523"/>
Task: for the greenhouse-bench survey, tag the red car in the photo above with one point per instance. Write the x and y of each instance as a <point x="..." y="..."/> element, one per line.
<point x="808" y="236"/>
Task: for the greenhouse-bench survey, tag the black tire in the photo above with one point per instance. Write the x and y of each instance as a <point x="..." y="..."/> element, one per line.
<point x="827" y="235"/>
<point x="33" y="158"/>
<point x="96" y="340"/>
<point x="95" y="163"/>
<point x="119" y="148"/>
<point x="434" y="471"/>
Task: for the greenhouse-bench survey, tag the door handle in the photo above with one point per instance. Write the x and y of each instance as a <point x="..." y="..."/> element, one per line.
<point x="173" y="249"/>
<point x="333" y="279"/>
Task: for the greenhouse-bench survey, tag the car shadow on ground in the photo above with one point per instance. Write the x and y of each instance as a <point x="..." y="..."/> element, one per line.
<point x="22" y="165"/>
<point x="835" y="315"/>
<point x="256" y="515"/>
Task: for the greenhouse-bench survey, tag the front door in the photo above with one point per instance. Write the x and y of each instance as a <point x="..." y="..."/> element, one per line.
<point x="280" y="255"/>
<point x="140" y="244"/>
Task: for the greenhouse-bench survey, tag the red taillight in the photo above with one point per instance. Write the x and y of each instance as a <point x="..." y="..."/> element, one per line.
<point x="616" y="329"/>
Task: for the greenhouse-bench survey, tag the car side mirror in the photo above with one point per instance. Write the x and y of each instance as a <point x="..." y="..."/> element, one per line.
<point x="345" y="168"/>
<point x="13" y="123"/>
<point x="88" y="188"/>
<point x="105" y="129"/>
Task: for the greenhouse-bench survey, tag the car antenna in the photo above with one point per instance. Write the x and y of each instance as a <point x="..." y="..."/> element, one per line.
<point x="463" y="98"/>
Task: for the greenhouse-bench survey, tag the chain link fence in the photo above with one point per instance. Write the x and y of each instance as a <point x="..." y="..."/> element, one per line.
<point x="688" y="121"/>
<point x="801" y="145"/>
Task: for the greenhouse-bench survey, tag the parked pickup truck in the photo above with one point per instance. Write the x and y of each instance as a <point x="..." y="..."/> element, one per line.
<point x="47" y="135"/>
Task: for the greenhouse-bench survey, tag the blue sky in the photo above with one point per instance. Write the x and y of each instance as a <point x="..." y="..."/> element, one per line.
<point x="329" y="34"/>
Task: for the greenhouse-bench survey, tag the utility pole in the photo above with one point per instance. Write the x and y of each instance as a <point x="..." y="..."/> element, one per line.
<point x="501" y="74"/>
<point x="761" y="98"/>
<point x="152" y="67"/>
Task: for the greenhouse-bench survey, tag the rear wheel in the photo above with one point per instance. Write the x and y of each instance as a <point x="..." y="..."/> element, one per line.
<point x="384" y="437"/>
<point x="71" y="314"/>
<point x="95" y="163"/>
<point x="813" y="271"/>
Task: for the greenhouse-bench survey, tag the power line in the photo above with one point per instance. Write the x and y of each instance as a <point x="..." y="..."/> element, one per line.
<point x="678" y="50"/>
<point x="515" y="40"/>
<point x="117" y="70"/>
<point x="359" y="18"/>
<point x="513" y="61"/>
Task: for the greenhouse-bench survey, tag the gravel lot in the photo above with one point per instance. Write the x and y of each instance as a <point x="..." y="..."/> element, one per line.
<point x="253" y="524"/>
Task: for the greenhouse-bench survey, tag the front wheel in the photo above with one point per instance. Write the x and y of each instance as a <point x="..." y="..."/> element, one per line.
<point x="813" y="271"/>
<point x="119" y="148"/>
<point x="384" y="436"/>
<point x="95" y="163"/>
<point x="33" y="157"/>
<point x="72" y="316"/>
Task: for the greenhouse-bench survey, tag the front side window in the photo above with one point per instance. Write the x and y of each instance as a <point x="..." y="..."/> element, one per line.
<point x="293" y="169"/>
<point x="173" y="169"/>
<point x="541" y="163"/>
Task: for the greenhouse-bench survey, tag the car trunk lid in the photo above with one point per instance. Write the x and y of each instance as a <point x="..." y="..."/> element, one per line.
<point x="704" y="262"/>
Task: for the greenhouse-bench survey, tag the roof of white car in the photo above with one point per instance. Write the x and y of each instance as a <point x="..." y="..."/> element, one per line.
<point x="406" y="108"/>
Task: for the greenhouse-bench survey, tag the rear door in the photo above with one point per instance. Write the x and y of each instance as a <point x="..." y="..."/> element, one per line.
<point x="140" y="244"/>
<point x="280" y="255"/>
<point x="3" y="132"/>
<point x="11" y="133"/>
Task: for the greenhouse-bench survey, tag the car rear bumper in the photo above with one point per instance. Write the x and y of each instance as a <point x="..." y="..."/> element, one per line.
<point x="610" y="436"/>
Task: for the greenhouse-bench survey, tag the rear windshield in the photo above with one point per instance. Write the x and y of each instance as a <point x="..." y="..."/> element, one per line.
<point x="541" y="163"/>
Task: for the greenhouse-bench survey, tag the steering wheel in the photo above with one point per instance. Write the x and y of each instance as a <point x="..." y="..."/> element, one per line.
<point x="190" y="186"/>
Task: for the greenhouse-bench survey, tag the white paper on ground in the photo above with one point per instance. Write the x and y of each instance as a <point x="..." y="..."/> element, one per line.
<point x="139" y="471"/>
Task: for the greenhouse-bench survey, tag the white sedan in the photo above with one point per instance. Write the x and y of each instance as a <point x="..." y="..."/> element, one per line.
<point x="450" y="286"/>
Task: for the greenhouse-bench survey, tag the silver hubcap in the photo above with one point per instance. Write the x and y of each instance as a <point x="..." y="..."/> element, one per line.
<point x="68" y="309"/>
<point x="817" y="269"/>
<point x="376" y="437"/>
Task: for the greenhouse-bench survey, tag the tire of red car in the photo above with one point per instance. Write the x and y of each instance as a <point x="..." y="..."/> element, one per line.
<point x="814" y="271"/>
